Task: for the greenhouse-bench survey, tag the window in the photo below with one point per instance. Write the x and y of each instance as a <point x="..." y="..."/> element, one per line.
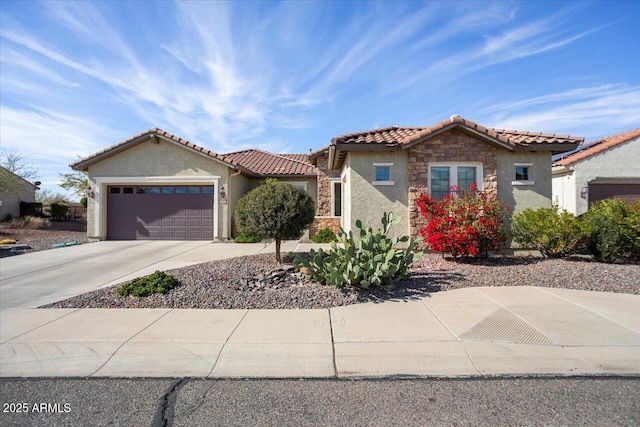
<point x="114" y="190"/>
<point x="181" y="190"/>
<point x="336" y="198"/>
<point x="383" y="174"/>
<point x="443" y="176"/>
<point x="207" y="189"/>
<point x="154" y="190"/>
<point x="167" y="190"/>
<point x="127" y="190"/>
<point x="194" y="190"/>
<point x="141" y="190"/>
<point x="523" y="174"/>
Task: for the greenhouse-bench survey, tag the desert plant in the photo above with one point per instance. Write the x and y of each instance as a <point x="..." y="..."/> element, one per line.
<point x="243" y="238"/>
<point x="326" y="235"/>
<point x="465" y="222"/>
<point x="554" y="233"/>
<point x="275" y="210"/>
<point x="613" y="231"/>
<point x="60" y="210"/>
<point x="372" y="260"/>
<point x="157" y="283"/>
<point x="28" y="223"/>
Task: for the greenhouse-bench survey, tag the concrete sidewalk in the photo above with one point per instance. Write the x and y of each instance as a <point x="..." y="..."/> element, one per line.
<point x="461" y="333"/>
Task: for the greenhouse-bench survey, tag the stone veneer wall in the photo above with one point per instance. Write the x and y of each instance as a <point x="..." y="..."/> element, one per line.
<point x="321" y="222"/>
<point x="324" y="185"/>
<point x="451" y="146"/>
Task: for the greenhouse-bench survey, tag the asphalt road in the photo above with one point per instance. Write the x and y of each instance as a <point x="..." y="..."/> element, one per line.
<point x="191" y="402"/>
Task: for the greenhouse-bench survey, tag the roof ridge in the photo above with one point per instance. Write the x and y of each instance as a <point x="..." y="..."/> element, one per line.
<point x="282" y="157"/>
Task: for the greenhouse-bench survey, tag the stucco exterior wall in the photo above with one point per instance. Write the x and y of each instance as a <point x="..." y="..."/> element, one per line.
<point x="521" y="197"/>
<point x="369" y="201"/>
<point x="563" y="190"/>
<point x="164" y="162"/>
<point x="621" y="161"/>
<point x="24" y="192"/>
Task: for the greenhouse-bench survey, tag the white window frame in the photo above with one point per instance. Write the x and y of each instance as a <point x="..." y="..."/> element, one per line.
<point x="335" y="181"/>
<point x="529" y="166"/>
<point x="453" y="177"/>
<point x="302" y="184"/>
<point x="383" y="165"/>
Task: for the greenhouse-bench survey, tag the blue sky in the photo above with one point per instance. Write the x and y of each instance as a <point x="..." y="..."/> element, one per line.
<point x="288" y="76"/>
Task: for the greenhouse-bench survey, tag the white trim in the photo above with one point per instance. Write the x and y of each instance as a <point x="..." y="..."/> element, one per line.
<point x="453" y="178"/>
<point x="523" y="183"/>
<point x="383" y="164"/>
<point x="523" y="164"/>
<point x="303" y="183"/>
<point x="100" y="209"/>
<point x="383" y="183"/>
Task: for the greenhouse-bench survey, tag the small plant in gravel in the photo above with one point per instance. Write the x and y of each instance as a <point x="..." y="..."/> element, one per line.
<point x="464" y="222"/>
<point x="326" y="235"/>
<point x="244" y="238"/>
<point x="555" y="233"/>
<point x="370" y="260"/>
<point x="275" y="210"/>
<point x="613" y="231"/>
<point x="157" y="283"/>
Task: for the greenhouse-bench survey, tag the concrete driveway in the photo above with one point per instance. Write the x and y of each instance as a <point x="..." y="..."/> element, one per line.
<point x="38" y="278"/>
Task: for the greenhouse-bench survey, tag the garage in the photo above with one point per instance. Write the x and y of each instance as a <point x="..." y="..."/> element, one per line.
<point x="160" y="212"/>
<point x="627" y="192"/>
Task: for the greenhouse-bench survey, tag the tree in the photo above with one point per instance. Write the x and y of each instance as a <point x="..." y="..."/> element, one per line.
<point x="48" y="197"/>
<point x="76" y="181"/>
<point x="275" y="210"/>
<point x="15" y="166"/>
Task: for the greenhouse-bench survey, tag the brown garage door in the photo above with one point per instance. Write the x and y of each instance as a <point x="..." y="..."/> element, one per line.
<point x="626" y="192"/>
<point x="160" y="212"/>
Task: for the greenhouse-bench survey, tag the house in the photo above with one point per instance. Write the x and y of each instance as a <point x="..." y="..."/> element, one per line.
<point x="13" y="190"/>
<point x="156" y="185"/>
<point x="600" y="169"/>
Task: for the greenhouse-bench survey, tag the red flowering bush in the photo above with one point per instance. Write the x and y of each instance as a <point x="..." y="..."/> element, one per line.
<point x="465" y="222"/>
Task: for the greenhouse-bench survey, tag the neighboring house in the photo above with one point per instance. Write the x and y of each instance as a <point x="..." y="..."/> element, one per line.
<point x="13" y="190"/>
<point x="600" y="169"/>
<point x="158" y="186"/>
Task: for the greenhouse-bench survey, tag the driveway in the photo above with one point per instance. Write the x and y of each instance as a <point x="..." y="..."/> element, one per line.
<point x="38" y="278"/>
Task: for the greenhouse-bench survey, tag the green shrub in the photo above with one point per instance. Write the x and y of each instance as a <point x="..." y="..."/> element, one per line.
<point x="326" y="235"/>
<point x="554" y="233"/>
<point x="60" y="210"/>
<point x="156" y="283"/>
<point x="275" y="210"/>
<point x="613" y="231"/>
<point x="372" y="260"/>
<point x="243" y="238"/>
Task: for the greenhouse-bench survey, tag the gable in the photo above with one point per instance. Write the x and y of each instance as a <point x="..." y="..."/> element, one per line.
<point x="157" y="157"/>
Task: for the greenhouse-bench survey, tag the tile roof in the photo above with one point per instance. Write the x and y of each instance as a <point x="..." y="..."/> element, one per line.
<point x="403" y="136"/>
<point x="597" y="146"/>
<point x="84" y="162"/>
<point x="264" y="163"/>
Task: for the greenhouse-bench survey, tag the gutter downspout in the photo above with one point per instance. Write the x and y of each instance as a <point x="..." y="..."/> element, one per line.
<point x="230" y="211"/>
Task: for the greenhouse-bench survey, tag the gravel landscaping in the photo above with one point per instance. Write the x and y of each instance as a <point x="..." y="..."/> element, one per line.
<point x="255" y="282"/>
<point x="40" y="240"/>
